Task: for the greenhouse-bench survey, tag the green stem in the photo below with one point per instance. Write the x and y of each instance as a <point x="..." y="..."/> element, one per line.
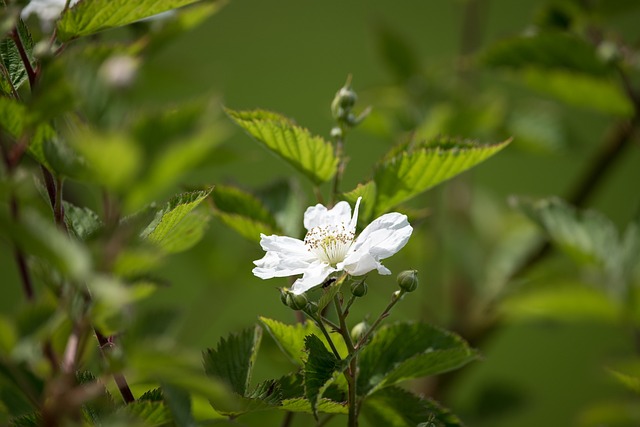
<point x="380" y="318"/>
<point x="326" y="335"/>
<point x="353" y="364"/>
<point x="339" y="153"/>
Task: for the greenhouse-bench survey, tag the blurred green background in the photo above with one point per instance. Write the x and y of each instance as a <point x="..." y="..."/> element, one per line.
<point x="291" y="57"/>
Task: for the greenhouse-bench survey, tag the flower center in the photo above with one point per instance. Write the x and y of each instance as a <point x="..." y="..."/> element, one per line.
<point x="329" y="243"/>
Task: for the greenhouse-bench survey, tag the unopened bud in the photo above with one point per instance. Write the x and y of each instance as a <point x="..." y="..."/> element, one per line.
<point x="296" y="301"/>
<point x="408" y="280"/>
<point x="395" y="295"/>
<point x="359" y="289"/>
<point x="311" y="308"/>
<point x="283" y="295"/>
<point x="359" y="330"/>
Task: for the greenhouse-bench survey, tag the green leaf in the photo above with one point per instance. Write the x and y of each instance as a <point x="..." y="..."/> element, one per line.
<point x="564" y="302"/>
<point x="398" y="55"/>
<point x="597" y="93"/>
<point x="396" y="407"/>
<point x="38" y="236"/>
<point x="179" y="403"/>
<point x="163" y="230"/>
<point x="587" y="236"/>
<point x="285" y="200"/>
<point x="328" y="293"/>
<point x="404" y="351"/>
<point x="82" y="222"/>
<point x="410" y="172"/>
<point x="89" y="17"/>
<point x="291" y="338"/>
<point x="61" y="159"/>
<point x="318" y="370"/>
<point x="547" y="51"/>
<point x="233" y="359"/>
<point x="243" y="212"/>
<point x="186" y="233"/>
<point x="613" y="413"/>
<point x="323" y="405"/>
<point x="11" y="60"/>
<point x="12" y="116"/>
<point x="368" y="192"/>
<point x="311" y="155"/>
<point x="151" y="413"/>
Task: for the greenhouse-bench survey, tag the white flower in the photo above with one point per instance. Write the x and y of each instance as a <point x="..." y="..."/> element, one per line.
<point x="331" y="245"/>
<point x="47" y="10"/>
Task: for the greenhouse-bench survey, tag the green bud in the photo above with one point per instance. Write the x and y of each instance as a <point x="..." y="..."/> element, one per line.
<point x="296" y="301"/>
<point x="408" y="280"/>
<point x="395" y="295"/>
<point x="336" y="133"/>
<point x="283" y="295"/>
<point x="346" y="97"/>
<point x="359" y="289"/>
<point x="311" y="308"/>
<point x="359" y="330"/>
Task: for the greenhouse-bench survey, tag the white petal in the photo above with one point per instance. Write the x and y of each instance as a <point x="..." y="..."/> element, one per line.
<point x="354" y="218"/>
<point x="285" y="257"/>
<point x="313" y="276"/>
<point x="379" y="240"/>
<point x="320" y="216"/>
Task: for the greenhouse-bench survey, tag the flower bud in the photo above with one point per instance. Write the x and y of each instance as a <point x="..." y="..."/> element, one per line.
<point x="359" y="289"/>
<point x="296" y="301"/>
<point x="283" y="295"/>
<point x="311" y="308"/>
<point x="359" y="330"/>
<point x="408" y="280"/>
<point x="336" y="132"/>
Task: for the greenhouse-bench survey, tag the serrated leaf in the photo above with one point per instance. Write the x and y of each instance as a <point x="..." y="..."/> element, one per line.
<point x="564" y="302"/>
<point x="404" y="351"/>
<point x="232" y="360"/>
<point x="151" y="413"/>
<point x="396" y="407"/>
<point x="162" y="230"/>
<point x="10" y="56"/>
<point x="411" y="172"/>
<point x="587" y="236"/>
<point x="546" y="51"/>
<point x="329" y="292"/>
<point x="323" y="405"/>
<point x="318" y="370"/>
<point x="81" y="221"/>
<point x="311" y="155"/>
<point x="290" y="338"/>
<point x="243" y="212"/>
<point x="153" y="395"/>
<point x="89" y="17"/>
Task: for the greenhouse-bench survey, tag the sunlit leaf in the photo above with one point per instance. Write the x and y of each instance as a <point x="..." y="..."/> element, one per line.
<point x="311" y="155"/>
<point x="233" y="359"/>
<point x="162" y="230"/>
<point x="404" y="351"/>
<point x="243" y="212"/>
<point x="396" y="407"/>
<point x="367" y="206"/>
<point x="410" y="172"/>
<point x="89" y="17"/>
<point x="291" y="338"/>
<point x="326" y="406"/>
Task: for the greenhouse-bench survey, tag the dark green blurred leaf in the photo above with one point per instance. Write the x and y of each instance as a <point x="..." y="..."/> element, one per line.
<point x="285" y="200"/>
<point x="179" y="403"/>
<point x="311" y="155"/>
<point x="547" y="51"/>
<point x="62" y="159"/>
<point x="39" y="237"/>
<point x="564" y="302"/>
<point x="12" y="116"/>
<point x="243" y="212"/>
<point x="291" y="338"/>
<point x="395" y="407"/>
<point x="154" y="395"/>
<point x="397" y="54"/>
<point x="411" y="171"/>
<point x="89" y="17"/>
<point x="11" y="60"/>
<point x="151" y="413"/>
<point x="404" y="351"/>
<point x="627" y="374"/>
<point x="82" y="222"/>
<point x="587" y="236"/>
<point x="30" y="420"/>
<point x="581" y="90"/>
<point x="318" y="370"/>
<point x="618" y="413"/>
<point x="233" y="359"/>
<point x="163" y="229"/>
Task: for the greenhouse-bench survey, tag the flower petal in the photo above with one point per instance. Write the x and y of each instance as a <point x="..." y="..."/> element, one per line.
<point x="313" y="276"/>
<point x="354" y="218"/>
<point x="285" y="256"/>
<point x="379" y="240"/>
<point x="320" y="216"/>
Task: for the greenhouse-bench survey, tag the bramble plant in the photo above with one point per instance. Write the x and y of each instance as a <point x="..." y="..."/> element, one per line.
<point x="97" y="192"/>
